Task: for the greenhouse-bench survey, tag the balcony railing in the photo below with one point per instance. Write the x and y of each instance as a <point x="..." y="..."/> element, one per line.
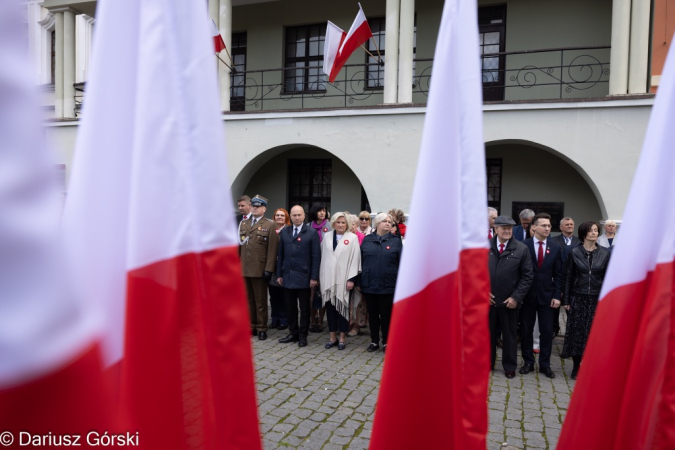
<point x="546" y="74"/>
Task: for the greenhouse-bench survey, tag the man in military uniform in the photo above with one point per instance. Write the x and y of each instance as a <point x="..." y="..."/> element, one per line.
<point x="259" y="245"/>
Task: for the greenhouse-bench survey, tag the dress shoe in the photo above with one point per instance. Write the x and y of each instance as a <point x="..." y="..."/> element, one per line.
<point x="341" y="346"/>
<point x="373" y="347"/>
<point x="289" y="338"/>
<point x="313" y="329"/>
<point x="331" y="344"/>
<point x="302" y="342"/>
<point x="575" y="372"/>
<point x="255" y="333"/>
<point x="527" y="368"/>
<point x="262" y="335"/>
<point x="273" y="326"/>
<point x="509" y="374"/>
<point x="282" y="327"/>
<point x="547" y="372"/>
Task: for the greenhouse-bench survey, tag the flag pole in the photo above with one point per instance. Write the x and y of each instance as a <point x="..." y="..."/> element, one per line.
<point x="230" y="56"/>
<point x="373" y="56"/>
<point x="378" y="51"/>
<point x="226" y="65"/>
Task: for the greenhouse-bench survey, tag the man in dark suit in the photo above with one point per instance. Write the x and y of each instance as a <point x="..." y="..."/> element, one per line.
<point x="510" y="279"/>
<point x="298" y="265"/>
<point x="544" y="295"/>
<point x="567" y="240"/>
<point x="244" y="207"/>
<point x="522" y="231"/>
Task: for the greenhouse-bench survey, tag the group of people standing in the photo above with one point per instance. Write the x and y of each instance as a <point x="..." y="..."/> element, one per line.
<point x="324" y="267"/>
<point x="533" y="275"/>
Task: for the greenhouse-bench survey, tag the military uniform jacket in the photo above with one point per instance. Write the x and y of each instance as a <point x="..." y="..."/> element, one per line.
<point x="259" y="247"/>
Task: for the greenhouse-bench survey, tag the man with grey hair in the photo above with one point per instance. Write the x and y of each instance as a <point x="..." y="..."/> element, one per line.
<point x="567" y="239"/>
<point x="522" y="231"/>
<point x="492" y="215"/>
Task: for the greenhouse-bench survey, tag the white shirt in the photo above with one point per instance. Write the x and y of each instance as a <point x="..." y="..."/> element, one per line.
<point x="568" y="240"/>
<point x="506" y="244"/>
<point x="297" y="230"/>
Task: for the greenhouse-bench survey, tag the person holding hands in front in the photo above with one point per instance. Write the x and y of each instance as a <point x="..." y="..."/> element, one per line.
<point x="510" y="280"/>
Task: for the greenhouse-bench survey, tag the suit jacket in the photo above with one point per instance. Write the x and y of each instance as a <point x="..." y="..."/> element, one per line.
<point x="560" y="239"/>
<point x="510" y="272"/>
<point x="259" y="247"/>
<point x="518" y="233"/>
<point x="548" y="281"/>
<point x="298" y="259"/>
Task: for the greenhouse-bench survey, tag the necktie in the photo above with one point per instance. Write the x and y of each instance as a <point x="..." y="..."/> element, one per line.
<point x="295" y="233"/>
<point x="490" y="233"/>
<point x="501" y="248"/>
<point x="568" y="241"/>
<point x="540" y="255"/>
<point x="254" y="222"/>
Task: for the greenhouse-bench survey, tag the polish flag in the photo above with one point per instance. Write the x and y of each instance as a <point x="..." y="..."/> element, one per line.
<point x="434" y="386"/>
<point x="218" y="43"/>
<point x="625" y="394"/>
<point x="339" y="46"/>
<point x="51" y="377"/>
<point x="151" y="230"/>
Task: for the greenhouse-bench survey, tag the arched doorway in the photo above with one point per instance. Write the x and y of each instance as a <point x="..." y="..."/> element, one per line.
<point x="522" y="173"/>
<point x="304" y="175"/>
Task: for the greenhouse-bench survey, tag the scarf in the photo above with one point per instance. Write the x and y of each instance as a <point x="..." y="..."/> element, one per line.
<point x="337" y="267"/>
<point x="319" y="228"/>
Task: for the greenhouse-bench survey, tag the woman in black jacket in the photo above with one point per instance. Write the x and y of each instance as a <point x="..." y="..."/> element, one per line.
<point x="380" y="258"/>
<point x="584" y="274"/>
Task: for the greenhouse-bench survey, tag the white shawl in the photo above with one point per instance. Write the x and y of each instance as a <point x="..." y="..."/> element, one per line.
<point x="337" y="267"/>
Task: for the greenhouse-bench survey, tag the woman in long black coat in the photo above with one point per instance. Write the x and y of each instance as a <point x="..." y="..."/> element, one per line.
<point x="380" y="258"/>
<point x="584" y="273"/>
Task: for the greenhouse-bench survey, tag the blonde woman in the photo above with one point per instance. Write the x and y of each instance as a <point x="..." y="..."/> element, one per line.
<point x="340" y="266"/>
<point x="607" y="239"/>
<point x="365" y="226"/>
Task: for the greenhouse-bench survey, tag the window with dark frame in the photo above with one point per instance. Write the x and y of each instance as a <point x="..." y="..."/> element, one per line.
<point x="493" y="167"/>
<point x="303" y="61"/>
<point x="309" y="182"/>
<point x="238" y="78"/>
<point x="374" y="71"/>
<point x="492" y="33"/>
<point x="53" y="35"/>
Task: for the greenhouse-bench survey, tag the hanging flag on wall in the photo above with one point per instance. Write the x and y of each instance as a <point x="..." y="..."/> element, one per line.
<point x="339" y="46"/>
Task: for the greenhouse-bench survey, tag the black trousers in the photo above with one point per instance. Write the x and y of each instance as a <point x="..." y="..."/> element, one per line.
<point x="335" y="320"/>
<point x="507" y="319"/>
<point x="379" y="315"/>
<point x="529" y="316"/>
<point x="295" y="298"/>
<point x="278" y="305"/>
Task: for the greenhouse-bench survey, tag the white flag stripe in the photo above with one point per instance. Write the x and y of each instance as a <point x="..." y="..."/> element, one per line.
<point x="455" y="123"/>
<point x="133" y="195"/>
<point x="331" y="46"/>
<point x="645" y="211"/>
<point x="358" y="21"/>
<point x="42" y="326"/>
<point x="214" y="29"/>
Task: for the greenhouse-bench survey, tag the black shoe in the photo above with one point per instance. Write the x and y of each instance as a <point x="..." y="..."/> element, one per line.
<point x="302" y="342"/>
<point x="289" y="338"/>
<point x="262" y="335"/>
<point x="313" y="329"/>
<point x="341" y="346"/>
<point x="255" y="333"/>
<point x="331" y="344"/>
<point x="273" y="326"/>
<point x="546" y="371"/>
<point x="500" y="343"/>
<point x="373" y="347"/>
<point x="282" y="327"/>
<point x="575" y="372"/>
<point x="527" y="368"/>
<point x="509" y="374"/>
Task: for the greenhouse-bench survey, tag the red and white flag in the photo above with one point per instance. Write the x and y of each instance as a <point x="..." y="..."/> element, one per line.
<point x="434" y="386"/>
<point x="218" y="43"/>
<point x="152" y="233"/>
<point x="51" y="378"/>
<point x="339" y="46"/>
<point x="624" y="397"/>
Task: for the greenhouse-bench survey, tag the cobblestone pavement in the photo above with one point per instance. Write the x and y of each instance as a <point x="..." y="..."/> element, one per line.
<point x="313" y="398"/>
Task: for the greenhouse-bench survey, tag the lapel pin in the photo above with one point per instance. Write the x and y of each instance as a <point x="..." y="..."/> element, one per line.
<point x="346" y="241"/>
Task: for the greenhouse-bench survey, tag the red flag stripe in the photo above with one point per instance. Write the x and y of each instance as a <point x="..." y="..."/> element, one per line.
<point x="360" y="35"/>
<point x="625" y="404"/>
<point x="218" y="43"/>
<point x="186" y="347"/>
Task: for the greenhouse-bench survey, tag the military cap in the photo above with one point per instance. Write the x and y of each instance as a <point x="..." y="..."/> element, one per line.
<point x="258" y="201"/>
<point x="504" y="221"/>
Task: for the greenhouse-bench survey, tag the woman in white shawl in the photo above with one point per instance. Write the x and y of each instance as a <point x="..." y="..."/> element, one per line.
<point x="340" y="265"/>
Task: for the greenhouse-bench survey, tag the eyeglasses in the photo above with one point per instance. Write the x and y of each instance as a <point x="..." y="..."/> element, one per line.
<point x="364" y="218"/>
